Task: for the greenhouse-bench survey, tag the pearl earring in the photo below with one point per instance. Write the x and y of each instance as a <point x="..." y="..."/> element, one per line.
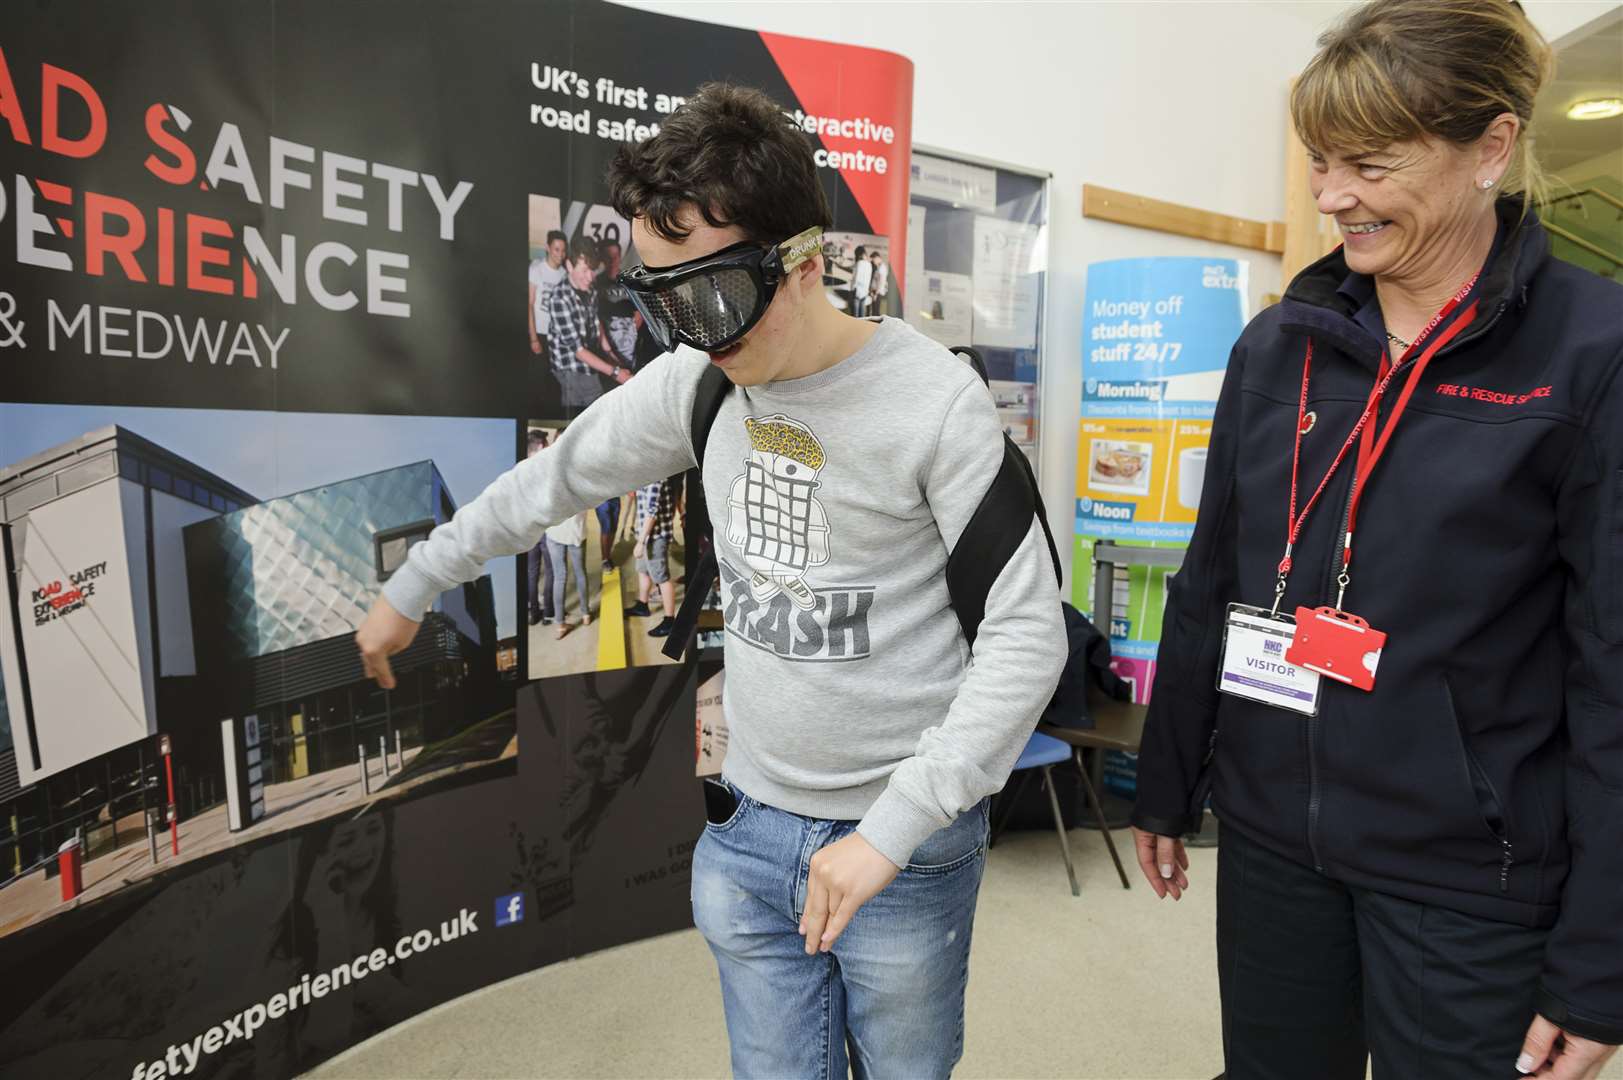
<point x="1486" y="184"/>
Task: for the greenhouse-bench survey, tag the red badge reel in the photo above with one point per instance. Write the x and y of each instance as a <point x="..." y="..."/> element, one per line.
<point x="1336" y="644"/>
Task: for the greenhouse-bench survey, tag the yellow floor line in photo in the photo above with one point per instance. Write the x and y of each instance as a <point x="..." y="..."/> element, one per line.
<point x="611" y="633"/>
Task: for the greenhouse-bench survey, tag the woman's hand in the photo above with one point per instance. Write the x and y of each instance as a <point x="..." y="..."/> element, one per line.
<point x="1574" y="1059"/>
<point x="1163" y="861"/>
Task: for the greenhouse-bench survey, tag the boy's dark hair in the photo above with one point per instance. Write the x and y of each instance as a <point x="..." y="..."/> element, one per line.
<point x="556" y="234"/>
<point x="732" y="153"/>
<point x="584" y="247"/>
<point x="537" y="437"/>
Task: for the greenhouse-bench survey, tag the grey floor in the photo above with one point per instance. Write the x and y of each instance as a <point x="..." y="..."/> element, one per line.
<point x="1112" y="985"/>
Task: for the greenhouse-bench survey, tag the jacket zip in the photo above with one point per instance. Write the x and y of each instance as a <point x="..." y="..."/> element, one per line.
<point x="1497" y="820"/>
<point x="1501" y="831"/>
<point x="1314" y="797"/>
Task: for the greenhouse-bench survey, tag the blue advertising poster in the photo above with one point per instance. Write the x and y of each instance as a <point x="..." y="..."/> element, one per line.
<point x="1157" y="334"/>
<point x="1155" y="344"/>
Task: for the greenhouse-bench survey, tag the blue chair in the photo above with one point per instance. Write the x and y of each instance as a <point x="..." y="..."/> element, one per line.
<point x="1042" y="753"/>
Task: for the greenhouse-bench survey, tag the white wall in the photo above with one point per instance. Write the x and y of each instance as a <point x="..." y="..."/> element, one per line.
<point x="1608" y="164"/>
<point x="1182" y="100"/>
<point x="1558" y="18"/>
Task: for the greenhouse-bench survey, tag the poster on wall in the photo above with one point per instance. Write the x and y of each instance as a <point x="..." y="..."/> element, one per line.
<point x="961" y="183"/>
<point x="1009" y="262"/>
<point x="261" y="332"/>
<point x="944" y="308"/>
<point x="1156" y="337"/>
<point x="977" y="251"/>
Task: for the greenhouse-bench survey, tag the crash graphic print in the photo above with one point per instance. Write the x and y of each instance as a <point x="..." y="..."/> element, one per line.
<point x="773" y="515"/>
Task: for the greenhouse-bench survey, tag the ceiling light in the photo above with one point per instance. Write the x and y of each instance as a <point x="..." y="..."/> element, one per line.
<point x="1596" y="109"/>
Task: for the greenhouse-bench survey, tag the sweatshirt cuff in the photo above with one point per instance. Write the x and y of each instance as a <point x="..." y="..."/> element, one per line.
<point x="410" y="592"/>
<point x="895" y="827"/>
<point x="1583" y="1025"/>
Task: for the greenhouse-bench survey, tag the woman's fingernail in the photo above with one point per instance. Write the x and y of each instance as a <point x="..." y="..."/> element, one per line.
<point x="1524" y="1064"/>
<point x="1166" y="869"/>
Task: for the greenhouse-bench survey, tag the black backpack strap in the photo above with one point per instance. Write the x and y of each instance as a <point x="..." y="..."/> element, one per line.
<point x="1040" y="510"/>
<point x="997" y="529"/>
<point x="713" y="388"/>
<point x="972" y="356"/>
<point x="994" y="533"/>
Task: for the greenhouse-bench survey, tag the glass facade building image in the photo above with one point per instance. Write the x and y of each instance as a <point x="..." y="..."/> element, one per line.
<point x="279" y="590"/>
<point x="145" y="596"/>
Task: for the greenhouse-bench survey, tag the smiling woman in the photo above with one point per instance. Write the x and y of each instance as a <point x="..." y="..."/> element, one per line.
<point x="1413" y="866"/>
<point x="1415" y="115"/>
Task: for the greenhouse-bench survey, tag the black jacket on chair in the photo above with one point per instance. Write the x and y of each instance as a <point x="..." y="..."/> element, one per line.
<point x="1484" y="772"/>
<point x="1087" y="663"/>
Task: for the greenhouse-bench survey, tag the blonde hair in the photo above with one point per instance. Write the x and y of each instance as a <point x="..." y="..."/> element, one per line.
<point x="1401" y="69"/>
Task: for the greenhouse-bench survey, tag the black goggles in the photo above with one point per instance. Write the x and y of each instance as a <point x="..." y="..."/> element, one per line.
<point x="712" y="301"/>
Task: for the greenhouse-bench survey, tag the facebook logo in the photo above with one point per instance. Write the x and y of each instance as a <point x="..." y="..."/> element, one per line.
<point x="510" y="909"/>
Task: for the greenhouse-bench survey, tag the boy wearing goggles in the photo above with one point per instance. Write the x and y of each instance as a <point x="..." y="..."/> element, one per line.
<point x="836" y="881"/>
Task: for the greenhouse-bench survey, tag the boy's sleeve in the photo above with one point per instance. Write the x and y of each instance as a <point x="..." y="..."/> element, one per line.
<point x="1019" y="651"/>
<point x="631" y="435"/>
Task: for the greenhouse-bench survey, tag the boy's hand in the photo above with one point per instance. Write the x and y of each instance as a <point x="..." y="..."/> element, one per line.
<point x="383" y="633"/>
<point x="844" y="876"/>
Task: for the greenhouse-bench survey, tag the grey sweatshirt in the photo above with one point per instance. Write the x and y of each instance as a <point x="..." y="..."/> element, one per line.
<point x="835" y="498"/>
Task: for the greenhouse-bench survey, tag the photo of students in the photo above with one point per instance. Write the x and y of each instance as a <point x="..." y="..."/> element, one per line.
<point x="604" y="586"/>
<point x="576" y="250"/>
<point x="856" y="273"/>
<point x="614" y="308"/>
<point x="578" y="347"/>
<point x="566" y="548"/>
<point x="546" y="274"/>
<point x="861" y="283"/>
<point x="538" y="592"/>
<point x="656" y="527"/>
<point x="879" y="289"/>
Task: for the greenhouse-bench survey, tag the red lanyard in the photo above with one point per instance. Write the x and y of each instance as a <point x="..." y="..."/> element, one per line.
<point x="1370" y="448"/>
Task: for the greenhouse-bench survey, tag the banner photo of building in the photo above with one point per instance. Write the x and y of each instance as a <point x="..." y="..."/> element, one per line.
<point x="259" y="295"/>
<point x="1155" y="345"/>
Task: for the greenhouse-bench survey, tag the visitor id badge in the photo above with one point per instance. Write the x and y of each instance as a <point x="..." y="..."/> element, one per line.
<point x="1337" y="644"/>
<point x="1254" y="665"/>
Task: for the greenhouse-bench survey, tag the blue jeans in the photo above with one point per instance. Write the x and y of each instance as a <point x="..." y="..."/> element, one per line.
<point x="566" y="558"/>
<point x="888" y="1000"/>
<point x="539" y="595"/>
